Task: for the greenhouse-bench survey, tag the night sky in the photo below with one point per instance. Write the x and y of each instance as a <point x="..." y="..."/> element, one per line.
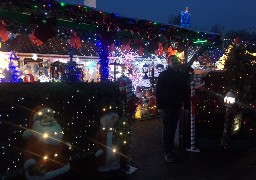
<point x="231" y="14"/>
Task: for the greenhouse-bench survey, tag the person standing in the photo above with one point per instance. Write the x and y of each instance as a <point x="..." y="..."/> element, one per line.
<point x="172" y="91"/>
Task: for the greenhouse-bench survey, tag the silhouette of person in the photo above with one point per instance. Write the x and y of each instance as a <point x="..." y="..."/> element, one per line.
<point x="171" y="92"/>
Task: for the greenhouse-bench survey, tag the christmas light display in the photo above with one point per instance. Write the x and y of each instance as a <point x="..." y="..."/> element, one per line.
<point x="80" y="106"/>
<point x="78" y="109"/>
<point x="185" y="20"/>
<point x="104" y="62"/>
<point x="128" y="106"/>
<point x="86" y="21"/>
<point x="94" y="33"/>
<point x="239" y="73"/>
<point x="70" y="72"/>
<point x="196" y="83"/>
<point x="12" y="74"/>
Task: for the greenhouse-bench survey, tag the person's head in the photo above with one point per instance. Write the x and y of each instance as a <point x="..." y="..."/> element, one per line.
<point x="173" y="61"/>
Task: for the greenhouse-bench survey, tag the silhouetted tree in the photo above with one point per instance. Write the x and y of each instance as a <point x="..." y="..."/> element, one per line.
<point x="243" y="35"/>
<point x="174" y="19"/>
<point x="216" y="28"/>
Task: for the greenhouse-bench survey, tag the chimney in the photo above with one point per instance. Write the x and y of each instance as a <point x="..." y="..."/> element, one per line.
<point x="90" y="3"/>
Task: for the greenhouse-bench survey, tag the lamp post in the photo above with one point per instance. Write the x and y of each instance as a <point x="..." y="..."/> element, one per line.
<point x="229" y="101"/>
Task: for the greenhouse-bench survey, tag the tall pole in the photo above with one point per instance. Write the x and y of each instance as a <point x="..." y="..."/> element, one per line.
<point x="71" y="53"/>
<point x="196" y="83"/>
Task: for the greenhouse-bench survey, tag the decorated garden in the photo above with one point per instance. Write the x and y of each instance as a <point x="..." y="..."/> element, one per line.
<point x="94" y="73"/>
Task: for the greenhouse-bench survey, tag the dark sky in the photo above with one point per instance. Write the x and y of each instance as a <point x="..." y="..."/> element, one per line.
<point x="231" y="14"/>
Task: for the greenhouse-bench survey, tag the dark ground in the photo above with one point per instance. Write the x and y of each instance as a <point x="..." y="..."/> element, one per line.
<point x="211" y="163"/>
<point x="238" y="163"/>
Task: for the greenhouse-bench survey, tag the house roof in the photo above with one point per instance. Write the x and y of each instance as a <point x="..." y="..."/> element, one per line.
<point x="22" y="18"/>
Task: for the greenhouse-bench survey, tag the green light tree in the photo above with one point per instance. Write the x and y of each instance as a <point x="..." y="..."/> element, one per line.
<point x="240" y="79"/>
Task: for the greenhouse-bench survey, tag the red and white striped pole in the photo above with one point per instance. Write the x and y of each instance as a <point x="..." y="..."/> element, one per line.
<point x="196" y="83"/>
<point x="125" y="87"/>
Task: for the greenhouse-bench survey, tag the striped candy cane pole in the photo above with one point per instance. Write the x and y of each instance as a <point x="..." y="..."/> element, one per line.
<point x="196" y="83"/>
<point x="125" y="88"/>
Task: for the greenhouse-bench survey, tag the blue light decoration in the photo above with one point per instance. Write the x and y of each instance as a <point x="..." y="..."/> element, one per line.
<point x="103" y="55"/>
<point x="185" y="18"/>
<point x="13" y="72"/>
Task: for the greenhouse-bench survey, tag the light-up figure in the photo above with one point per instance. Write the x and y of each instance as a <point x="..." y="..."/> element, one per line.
<point x="185" y="19"/>
<point x="107" y="157"/>
<point x="42" y="155"/>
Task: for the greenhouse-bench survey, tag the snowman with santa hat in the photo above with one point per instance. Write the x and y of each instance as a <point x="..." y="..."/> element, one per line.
<point x="42" y="156"/>
<point x="107" y="156"/>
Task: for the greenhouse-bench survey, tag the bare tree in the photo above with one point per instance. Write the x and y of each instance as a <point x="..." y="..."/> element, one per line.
<point x="174" y="19"/>
<point x="216" y="28"/>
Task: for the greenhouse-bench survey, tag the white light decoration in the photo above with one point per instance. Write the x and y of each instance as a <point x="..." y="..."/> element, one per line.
<point x="222" y="61"/>
<point x="229" y="99"/>
<point x="237" y="123"/>
<point x="77" y="59"/>
<point x="2" y="74"/>
<point x="44" y="78"/>
<point x="45" y="135"/>
<point x="34" y="57"/>
<point x="195" y="65"/>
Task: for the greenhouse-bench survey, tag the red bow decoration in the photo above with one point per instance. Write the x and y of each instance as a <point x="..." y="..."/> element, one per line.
<point x="3" y="33"/>
<point x="35" y="40"/>
<point x="75" y="41"/>
<point x="128" y="47"/>
<point x="160" y="50"/>
<point x="125" y="47"/>
<point x="140" y="50"/>
<point x="122" y="47"/>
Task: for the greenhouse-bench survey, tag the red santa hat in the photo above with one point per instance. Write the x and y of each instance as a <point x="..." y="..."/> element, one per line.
<point x="32" y="114"/>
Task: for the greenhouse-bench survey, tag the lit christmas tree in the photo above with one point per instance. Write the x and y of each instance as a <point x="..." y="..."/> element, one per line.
<point x="239" y="76"/>
<point x="185" y="20"/>
<point x="71" y="73"/>
<point x="12" y="74"/>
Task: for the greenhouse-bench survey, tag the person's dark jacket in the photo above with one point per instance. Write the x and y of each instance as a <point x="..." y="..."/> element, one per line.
<point x="172" y="89"/>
